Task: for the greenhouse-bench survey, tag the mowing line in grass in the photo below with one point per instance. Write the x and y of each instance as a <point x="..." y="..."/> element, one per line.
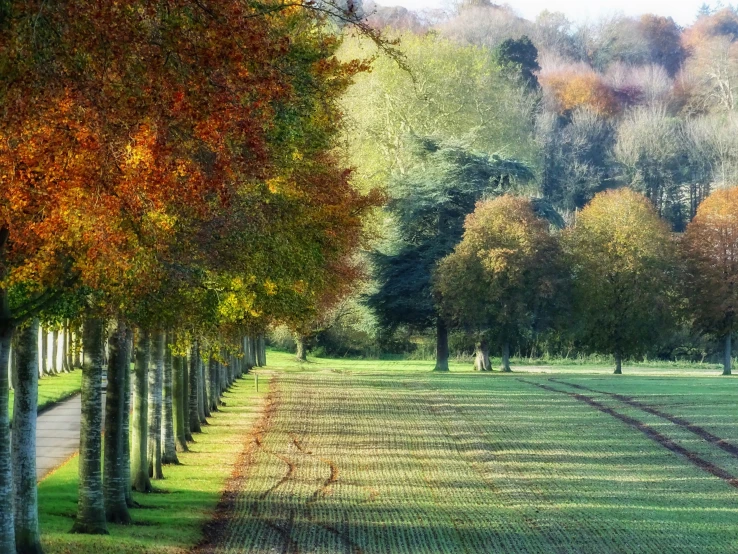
<point x="321" y="492"/>
<point x="215" y="531"/>
<point x="650" y="432"/>
<point x="676" y="420"/>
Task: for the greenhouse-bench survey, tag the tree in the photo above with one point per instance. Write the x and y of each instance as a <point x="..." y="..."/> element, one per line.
<point x="91" y="505"/>
<point x="504" y="278"/>
<point x="452" y="92"/>
<point x="114" y="478"/>
<point x="652" y="150"/>
<point x="621" y="259"/>
<point x="710" y="253"/>
<point x="25" y="405"/>
<point x="519" y="57"/>
<point x="429" y="204"/>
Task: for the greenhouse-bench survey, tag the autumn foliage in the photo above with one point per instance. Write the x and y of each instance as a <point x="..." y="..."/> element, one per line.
<point x="710" y="253"/>
<point x="574" y="87"/>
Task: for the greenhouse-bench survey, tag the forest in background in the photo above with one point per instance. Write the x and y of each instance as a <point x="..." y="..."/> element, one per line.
<point x="572" y="109"/>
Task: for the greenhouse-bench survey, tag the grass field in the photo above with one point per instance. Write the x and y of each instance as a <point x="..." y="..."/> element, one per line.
<point x="55" y="388"/>
<point x="388" y="457"/>
<point x="171" y="521"/>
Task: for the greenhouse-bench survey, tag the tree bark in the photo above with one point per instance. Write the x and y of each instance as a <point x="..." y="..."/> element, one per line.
<point x="261" y="351"/>
<point x="301" y="350"/>
<point x="202" y="403"/>
<point x="126" y="424"/>
<point x="179" y="406"/>
<point x="25" y="406"/>
<point x="727" y="354"/>
<point x="194" y="414"/>
<point x="44" y="351"/>
<point x="139" y="436"/>
<point x="213" y="381"/>
<point x="481" y="360"/>
<point x="155" y="406"/>
<point x="78" y="348"/>
<point x="55" y="351"/>
<point x="506" y="357"/>
<point x="618" y="364"/>
<point x="202" y="392"/>
<point x="441" y="345"/>
<point x="7" y="525"/>
<point x="115" y="480"/>
<point x="186" y="369"/>
<point x="169" y="451"/>
<point x="66" y="343"/>
<point x="90" y="505"/>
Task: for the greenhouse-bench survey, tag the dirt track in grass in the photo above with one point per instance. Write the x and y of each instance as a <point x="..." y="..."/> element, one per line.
<point x="364" y="462"/>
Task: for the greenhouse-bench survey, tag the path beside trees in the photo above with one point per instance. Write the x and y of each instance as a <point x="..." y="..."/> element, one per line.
<point x="57" y="435"/>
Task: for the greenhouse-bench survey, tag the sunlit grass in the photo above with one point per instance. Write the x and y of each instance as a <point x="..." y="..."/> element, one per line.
<point x="55" y="388"/>
<point x="387" y="456"/>
<point x="171" y="521"/>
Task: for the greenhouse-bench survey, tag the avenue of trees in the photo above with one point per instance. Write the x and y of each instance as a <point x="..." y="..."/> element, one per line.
<point x="170" y="186"/>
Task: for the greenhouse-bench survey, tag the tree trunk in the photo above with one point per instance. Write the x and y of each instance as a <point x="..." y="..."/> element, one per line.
<point x="139" y="436"/>
<point x="115" y="480"/>
<point x="506" y="357"/>
<point x="202" y="404"/>
<point x="44" y="351"/>
<point x="55" y="351"/>
<point x="301" y="350"/>
<point x="194" y="413"/>
<point x="179" y="406"/>
<point x="66" y="344"/>
<point x="186" y="369"/>
<point x="261" y="349"/>
<point x="618" y="364"/>
<point x="25" y="406"/>
<point x="441" y="345"/>
<point x="7" y="525"/>
<point x="91" y="505"/>
<point x="169" y="451"/>
<point x="78" y="347"/>
<point x="213" y="380"/>
<point x="727" y="354"/>
<point x="481" y="360"/>
<point x="126" y="424"/>
<point x="155" y="405"/>
<point x="250" y="356"/>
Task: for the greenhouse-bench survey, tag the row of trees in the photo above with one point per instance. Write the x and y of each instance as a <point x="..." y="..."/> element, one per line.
<point x="616" y="280"/>
<point x="169" y="180"/>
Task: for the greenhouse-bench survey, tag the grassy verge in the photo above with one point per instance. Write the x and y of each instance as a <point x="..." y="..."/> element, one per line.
<point x="55" y="388"/>
<point x="169" y="522"/>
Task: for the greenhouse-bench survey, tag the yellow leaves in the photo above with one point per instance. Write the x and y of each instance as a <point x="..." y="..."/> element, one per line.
<point x="161" y="220"/>
<point x="139" y="152"/>
<point x="270" y="287"/>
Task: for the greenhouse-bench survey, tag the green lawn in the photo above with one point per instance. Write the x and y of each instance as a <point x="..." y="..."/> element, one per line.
<point x="388" y="457"/>
<point x="375" y="456"/>
<point x="171" y="521"/>
<point x="55" y="388"/>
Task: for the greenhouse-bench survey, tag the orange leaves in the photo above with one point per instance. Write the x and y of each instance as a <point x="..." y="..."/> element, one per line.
<point x="710" y="252"/>
<point x="573" y="88"/>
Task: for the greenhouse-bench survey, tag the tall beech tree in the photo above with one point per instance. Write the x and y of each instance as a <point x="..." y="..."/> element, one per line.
<point x="622" y="258"/>
<point x="505" y="279"/>
<point x="710" y="253"/>
<point x="115" y="479"/>
<point x="91" y="510"/>
<point x="25" y="405"/>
